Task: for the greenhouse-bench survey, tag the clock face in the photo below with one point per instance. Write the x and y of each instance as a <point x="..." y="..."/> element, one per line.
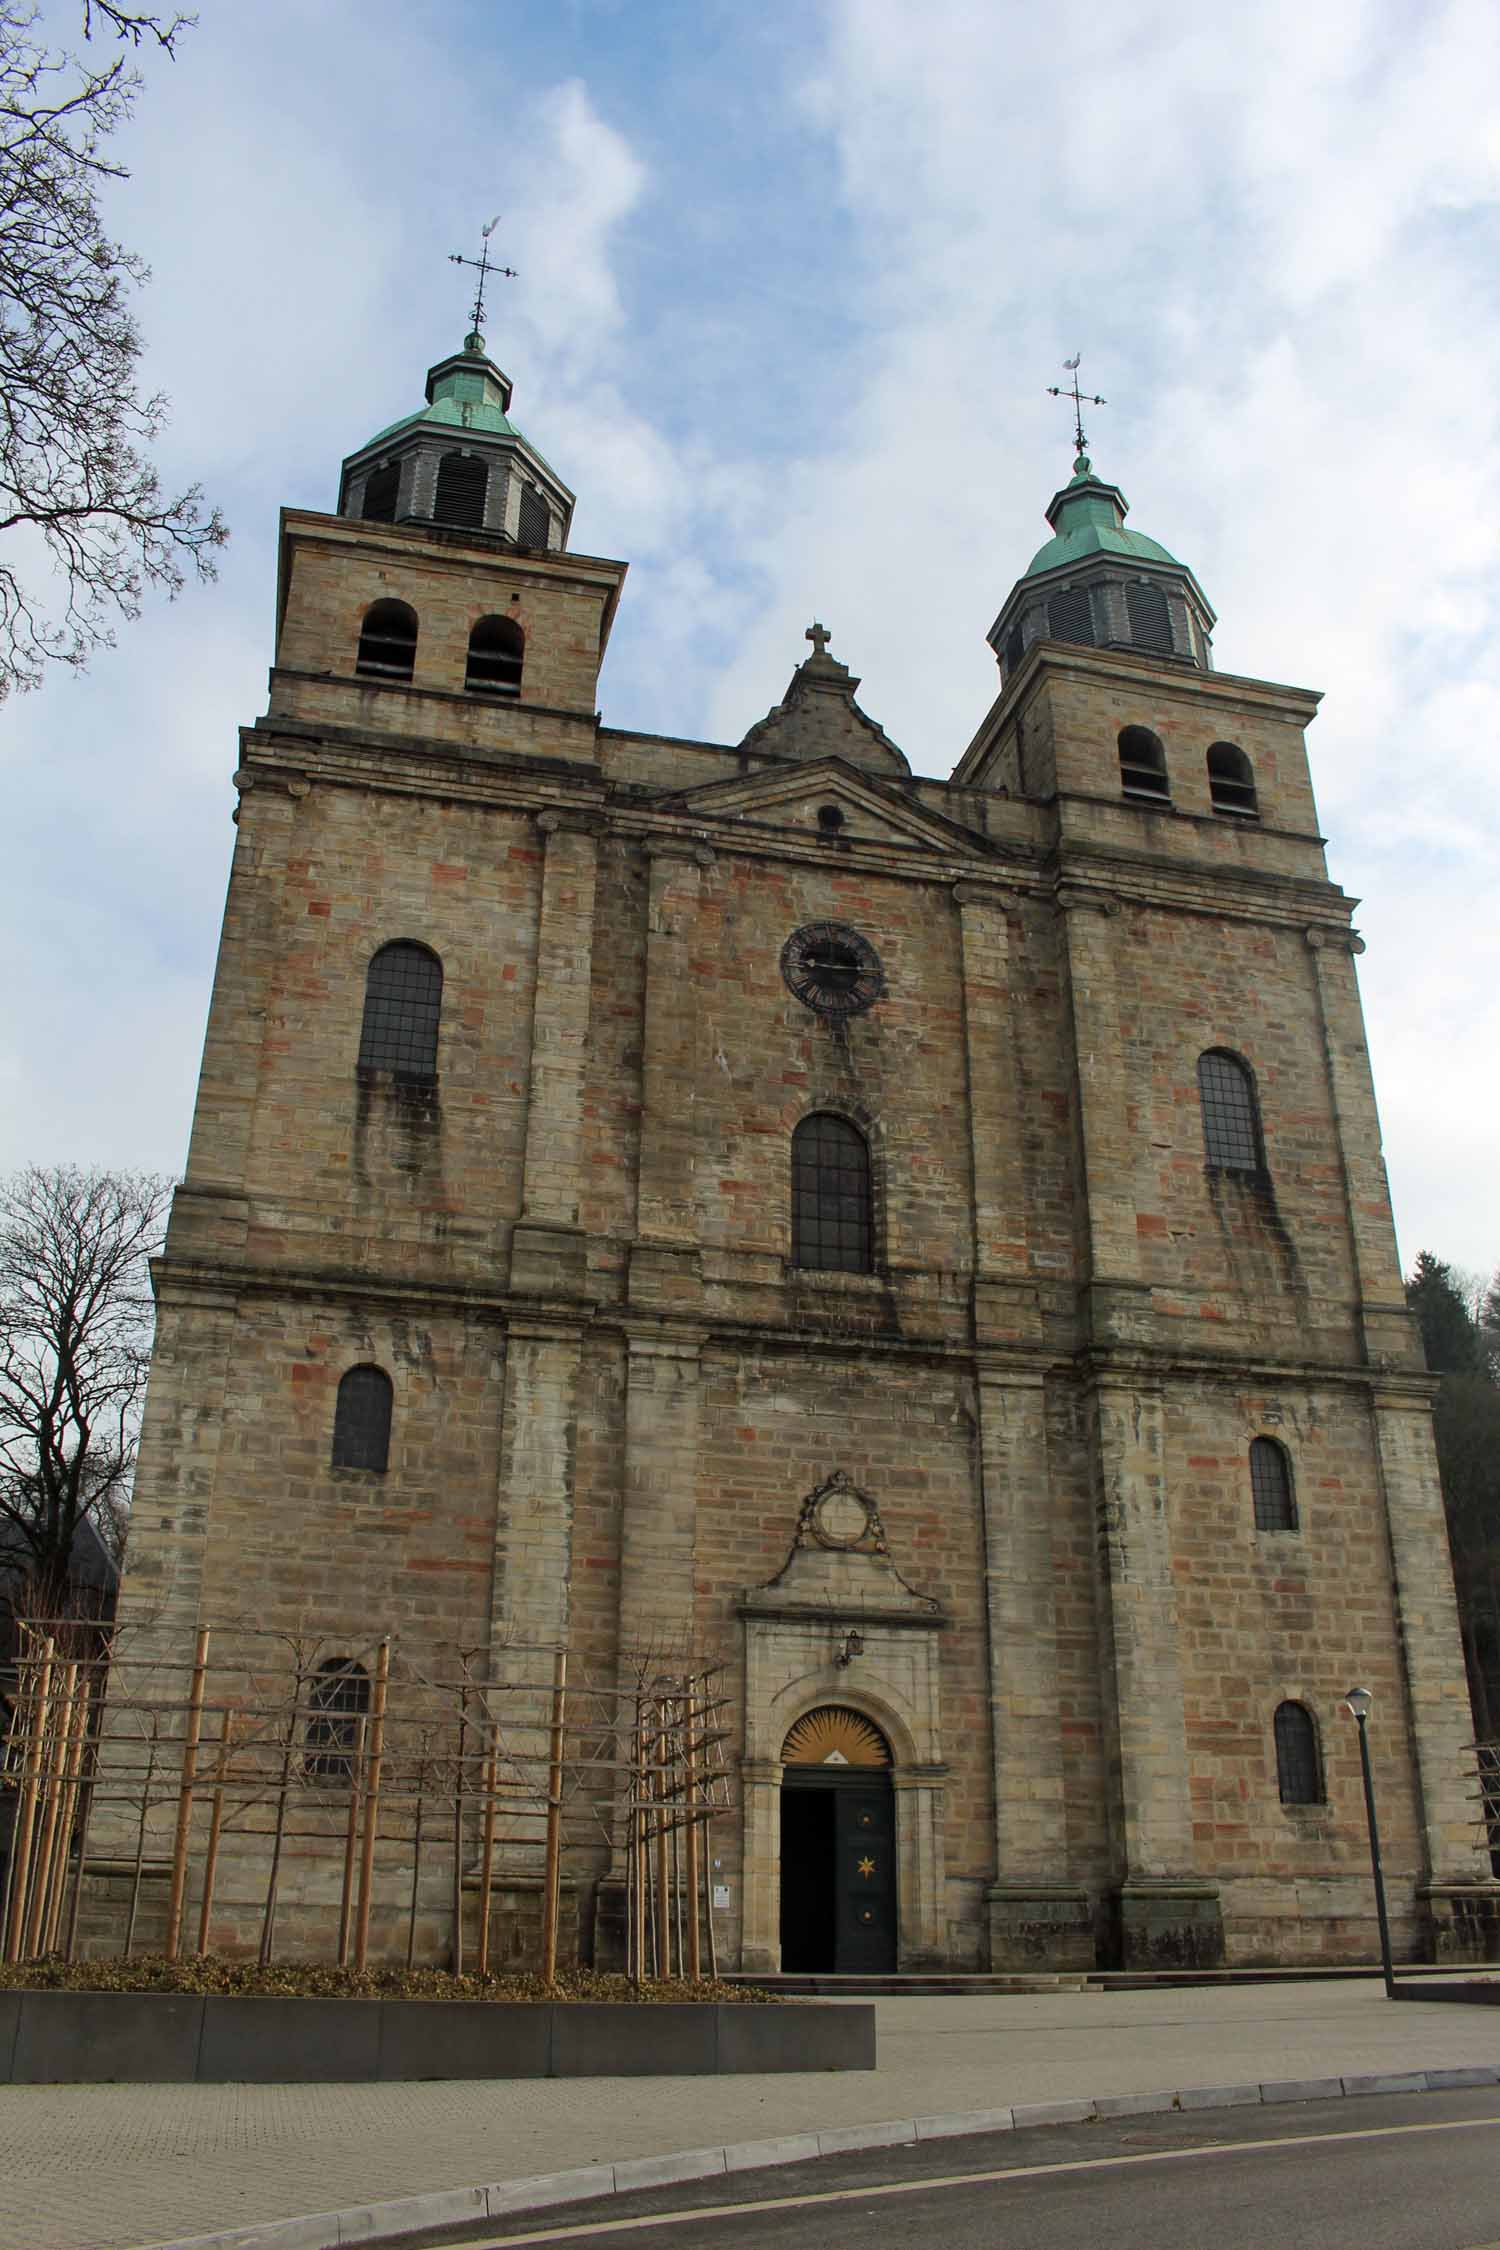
<point x="832" y="969"/>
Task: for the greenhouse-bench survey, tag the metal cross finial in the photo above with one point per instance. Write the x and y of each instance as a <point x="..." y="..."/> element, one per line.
<point x="1080" y="399"/>
<point x="483" y="268"/>
<point x="820" y="637"/>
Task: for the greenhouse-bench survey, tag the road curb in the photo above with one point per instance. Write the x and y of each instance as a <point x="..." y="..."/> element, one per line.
<point x="503" y="2199"/>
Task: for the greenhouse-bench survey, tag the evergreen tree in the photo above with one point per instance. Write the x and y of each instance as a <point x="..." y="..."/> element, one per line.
<point x="1460" y="1344"/>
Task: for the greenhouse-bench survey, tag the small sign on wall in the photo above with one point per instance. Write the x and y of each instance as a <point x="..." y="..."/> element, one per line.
<point x="721" y="1895"/>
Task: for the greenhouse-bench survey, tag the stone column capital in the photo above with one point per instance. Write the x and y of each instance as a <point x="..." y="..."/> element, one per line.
<point x="691" y="850"/>
<point x="554" y="822"/>
<point x="999" y="900"/>
<point x="1071" y="898"/>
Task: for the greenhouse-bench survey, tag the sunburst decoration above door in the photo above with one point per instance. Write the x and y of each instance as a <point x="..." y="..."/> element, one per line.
<point x="834" y="1736"/>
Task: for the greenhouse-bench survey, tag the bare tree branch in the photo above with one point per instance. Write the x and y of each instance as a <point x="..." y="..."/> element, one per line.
<point x="75" y="432"/>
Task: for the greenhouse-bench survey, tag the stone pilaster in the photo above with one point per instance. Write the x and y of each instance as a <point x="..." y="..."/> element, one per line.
<point x="548" y="1253"/>
<point x="1036" y="1917"/>
<point x="1389" y="1331"/>
<point x="534" y="1515"/>
<point x="664" y="1267"/>
<point x="1119" y="1304"/>
<point x="662" y="1418"/>
<point x="1167" y="1918"/>
<point x="1005" y="1306"/>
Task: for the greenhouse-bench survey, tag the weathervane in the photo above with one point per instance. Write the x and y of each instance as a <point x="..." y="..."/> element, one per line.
<point x="483" y="268"/>
<point x="1080" y="399"/>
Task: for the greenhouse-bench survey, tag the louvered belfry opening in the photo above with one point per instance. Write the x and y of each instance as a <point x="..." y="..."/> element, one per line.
<point x="1070" y="617"/>
<point x="1150" y="619"/>
<point x="1143" y="764"/>
<point x="1231" y="781"/>
<point x="382" y="490"/>
<point x="497" y="651"/>
<point x="535" y="522"/>
<point x="387" y="642"/>
<point x="1231" y="1117"/>
<point x="462" y="482"/>
<point x="832" y="1221"/>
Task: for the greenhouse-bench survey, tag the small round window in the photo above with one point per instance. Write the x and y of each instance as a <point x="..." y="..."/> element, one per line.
<point x="832" y="969"/>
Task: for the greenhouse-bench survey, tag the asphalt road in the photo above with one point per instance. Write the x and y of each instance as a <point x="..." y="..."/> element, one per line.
<point x="1402" y="2172"/>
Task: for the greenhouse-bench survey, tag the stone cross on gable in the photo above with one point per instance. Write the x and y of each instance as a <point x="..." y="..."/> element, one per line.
<point x="820" y="637"/>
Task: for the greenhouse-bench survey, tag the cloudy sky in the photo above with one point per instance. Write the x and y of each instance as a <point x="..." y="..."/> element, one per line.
<point x="792" y="283"/>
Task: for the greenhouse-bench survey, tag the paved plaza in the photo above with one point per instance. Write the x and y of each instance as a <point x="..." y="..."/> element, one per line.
<point x="117" y="2167"/>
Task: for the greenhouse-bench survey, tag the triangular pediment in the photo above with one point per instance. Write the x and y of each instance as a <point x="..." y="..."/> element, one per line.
<point x="801" y="800"/>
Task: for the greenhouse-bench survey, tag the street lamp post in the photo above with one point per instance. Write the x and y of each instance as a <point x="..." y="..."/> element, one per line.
<point x="1357" y="1702"/>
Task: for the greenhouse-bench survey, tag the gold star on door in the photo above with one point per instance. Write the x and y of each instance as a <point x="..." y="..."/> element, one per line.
<point x="867" y="1867"/>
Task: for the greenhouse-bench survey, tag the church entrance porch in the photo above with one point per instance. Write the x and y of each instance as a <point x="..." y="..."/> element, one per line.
<point x="838" y="1847"/>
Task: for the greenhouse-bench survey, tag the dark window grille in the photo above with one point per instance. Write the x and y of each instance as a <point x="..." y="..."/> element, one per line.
<point x="1014" y="649"/>
<point x="1271" y="1487"/>
<point x="1070" y="617"/>
<point x="535" y="521"/>
<point x="832" y="1219"/>
<point x="382" y="489"/>
<point x="340" y="1698"/>
<point x="362" y="1420"/>
<point x="1231" y="781"/>
<point x="1299" y="1769"/>
<point x="462" y="480"/>
<point x="1150" y="618"/>
<point x="1143" y="764"/>
<point x="403" y="1003"/>
<point x="1231" y="1120"/>
<point x="497" y="647"/>
<point x="388" y="641"/>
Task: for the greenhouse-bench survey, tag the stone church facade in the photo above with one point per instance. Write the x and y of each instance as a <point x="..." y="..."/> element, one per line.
<point x="924" y="1242"/>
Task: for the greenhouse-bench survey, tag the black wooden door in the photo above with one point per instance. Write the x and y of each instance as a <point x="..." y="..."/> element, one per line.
<point x="865" y="1877"/>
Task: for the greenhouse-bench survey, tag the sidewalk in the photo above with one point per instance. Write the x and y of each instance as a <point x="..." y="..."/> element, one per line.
<point x="115" y="2167"/>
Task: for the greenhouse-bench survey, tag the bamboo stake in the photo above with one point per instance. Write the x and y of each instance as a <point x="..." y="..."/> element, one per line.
<point x="192" y="1735"/>
<point x="16" y="1736"/>
<point x="140" y="1843"/>
<point x="372" y="1804"/>
<point x="20" y="1847"/>
<point x="215" y="1829"/>
<point x="59" y="1728"/>
<point x="278" y="1834"/>
<point x="351" y="1841"/>
<point x="458" y="1835"/>
<point x="416" y="1864"/>
<point x="89" y="1789"/>
<point x="663" y="1924"/>
<point x="553" y="1878"/>
<point x="73" y="1767"/>
<point x="638" y="1835"/>
<point x="690" y="1777"/>
<point x="487" y="1852"/>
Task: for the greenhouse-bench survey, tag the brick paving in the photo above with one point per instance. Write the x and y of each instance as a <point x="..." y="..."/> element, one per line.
<point x="118" y="2167"/>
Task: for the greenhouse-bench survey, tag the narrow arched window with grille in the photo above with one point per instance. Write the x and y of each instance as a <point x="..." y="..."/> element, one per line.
<point x="403" y="1007"/>
<point x="535" y="523"/>
<point x="1143" y="764"/>
<point x="362" y="1420"/>
<point x="462" y="482"/>
<point x="497" y="650"/>
<point x="387" y="641"/>
<point x="832" y="1215"/>
<point x="1271" y="1486"/>
<point x="1299" y="1769"/>
<point x="1070" y="617"/>
<point x="1231" y="781"/>
<point x="382" y="490"/>
<point x="338" y="1700"/>
<point x="1231" y="1115"/>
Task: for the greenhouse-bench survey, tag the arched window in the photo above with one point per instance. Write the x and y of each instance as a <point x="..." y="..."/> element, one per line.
<point x="1271" y="1486"/>
<point x="1231" y="1117"/>
<point x="462" y="481"/>
<point x="1143" y="764"/>
<point x="388" y="641"/>
<point x="1150" y="619"/>
<point x="497" y="648"/>
<point x="362" y="1420"/>
<point x="1070" y="617"/>
<point x="382" y="490"/>
<point x="1299" y="1769"/>
<point x="403" y="1002"/>
<point x="832" y="1220"/>
<point x="339" y="1699"/>
<point x="535" y="525"/>
<point x="1231" y="781"/>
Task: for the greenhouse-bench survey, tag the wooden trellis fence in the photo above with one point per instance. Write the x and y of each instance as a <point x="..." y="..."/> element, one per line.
<point x="383" y="1785"/>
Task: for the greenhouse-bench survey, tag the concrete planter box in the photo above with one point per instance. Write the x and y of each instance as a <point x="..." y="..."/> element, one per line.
<point x="89" y="2038"/>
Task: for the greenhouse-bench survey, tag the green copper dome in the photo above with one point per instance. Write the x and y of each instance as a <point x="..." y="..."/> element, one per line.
<point x="1088" y="518"/>
<point x="465" y="392"/>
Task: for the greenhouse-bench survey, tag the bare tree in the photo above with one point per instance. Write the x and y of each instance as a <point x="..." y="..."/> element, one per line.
<point x="86" y="525"/>
<point x="75" y="1340"/>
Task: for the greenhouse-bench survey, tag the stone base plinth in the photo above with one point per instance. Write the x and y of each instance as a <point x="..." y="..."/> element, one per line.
<point x="1464" y="1920"/>
<point x="1040" y="1926"/>
<point x="1168" y="1926"/>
